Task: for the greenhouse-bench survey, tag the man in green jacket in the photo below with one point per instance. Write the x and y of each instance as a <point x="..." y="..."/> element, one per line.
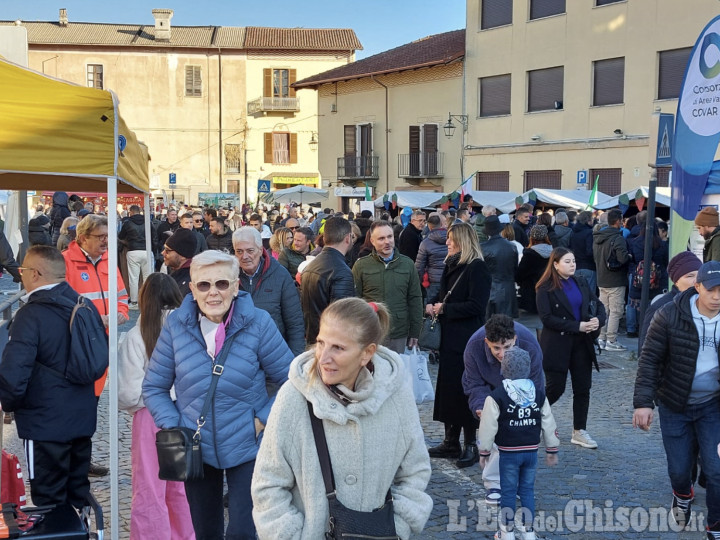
<point x="388" y="277"/>
<point x="707" y="223"/>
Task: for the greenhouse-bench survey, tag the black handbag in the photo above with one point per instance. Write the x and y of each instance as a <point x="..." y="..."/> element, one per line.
<point x="345" y="523"/>
<point x="178" y="449"/>
<point x="430" y="333"/>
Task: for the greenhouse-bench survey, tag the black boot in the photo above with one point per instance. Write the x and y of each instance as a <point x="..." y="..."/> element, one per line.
<point x="450" y="447"/>
<point x="470" y="456"/>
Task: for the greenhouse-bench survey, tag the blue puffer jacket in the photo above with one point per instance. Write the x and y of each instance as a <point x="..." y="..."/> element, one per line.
<point x="431" y="255"/>
<point x="181" y="359"/>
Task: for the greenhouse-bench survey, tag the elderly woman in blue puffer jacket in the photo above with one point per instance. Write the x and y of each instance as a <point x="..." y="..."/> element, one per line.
<point x="215" y="316"/>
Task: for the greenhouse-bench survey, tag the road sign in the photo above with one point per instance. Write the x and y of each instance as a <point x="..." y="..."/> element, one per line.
<point x="582" y="177"/>
<point x="263" y="186"/>
<point x="173" y="179"/>
<point x="663" y="154"/>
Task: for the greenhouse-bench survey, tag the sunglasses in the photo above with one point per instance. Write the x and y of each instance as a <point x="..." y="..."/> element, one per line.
<point x="293" y="228"/>
<point x="198" y="220"/>
<point x="220" y="285"/>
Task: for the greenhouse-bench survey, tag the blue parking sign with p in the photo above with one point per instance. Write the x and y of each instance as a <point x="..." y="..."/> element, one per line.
<point x="263" y="186"/>
<point x="582" y="177"/>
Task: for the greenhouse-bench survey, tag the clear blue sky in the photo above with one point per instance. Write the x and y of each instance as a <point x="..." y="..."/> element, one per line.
<point x="380" y="24"/>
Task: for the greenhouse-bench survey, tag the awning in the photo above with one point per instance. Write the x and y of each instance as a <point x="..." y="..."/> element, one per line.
<point x="568" y="198"/>
<point x="662" y="197"/>
<point x="492" y="198"/>
<point x="413" y="199"/>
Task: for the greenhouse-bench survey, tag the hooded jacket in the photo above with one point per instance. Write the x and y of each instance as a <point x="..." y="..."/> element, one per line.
<point x="58" y="213"/>
<point x="604" y="240"/>
<point x="431" y="255"/>
<point x="38" y="233"/>
<point x="711" y="250"/>
<point x="375" y="443"/>
<point x="668" y="360"/>
<point x="257" y="355"/>
<point x="560" y="236"/>
<point x="221" y="242"/>
<point x="132" y="233"/>
<point x="273" y="290"/>
<point x="581" y="244"/>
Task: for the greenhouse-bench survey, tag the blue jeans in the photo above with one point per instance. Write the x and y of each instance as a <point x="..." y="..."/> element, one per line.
<point x="697" y="427"/>
<point x="517" y="477"/>
<point x="205" y="498"/>
<point x="631" y="311"/>
<point x="590" y="276"/>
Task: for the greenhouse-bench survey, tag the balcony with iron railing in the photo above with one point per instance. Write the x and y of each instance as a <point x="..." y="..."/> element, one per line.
<point x="421" y="165"/>
<point x="273" y="104"/>
<point x="354" y="169"/>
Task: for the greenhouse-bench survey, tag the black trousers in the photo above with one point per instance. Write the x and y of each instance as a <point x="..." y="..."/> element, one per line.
<point x="58" y="471"/>
<point x="581" y="378"/>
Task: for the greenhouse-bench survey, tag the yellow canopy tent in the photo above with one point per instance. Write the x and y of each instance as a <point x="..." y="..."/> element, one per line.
<point x="58" y="136"/>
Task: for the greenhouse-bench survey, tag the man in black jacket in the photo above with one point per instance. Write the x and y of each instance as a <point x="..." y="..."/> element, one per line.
<point x="132" y="236"/>
<point x="679" y="370"/>
<point x="55" y="418"/>
<point x="581" y="244"/>
<point x="327" y="277"/>
<point x="220" y="237"/>
<point x="522" y="218"/>
<point x="411" y="236"/>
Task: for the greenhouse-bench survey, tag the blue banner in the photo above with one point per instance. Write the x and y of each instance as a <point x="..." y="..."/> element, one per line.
<point x="697" y="128"/>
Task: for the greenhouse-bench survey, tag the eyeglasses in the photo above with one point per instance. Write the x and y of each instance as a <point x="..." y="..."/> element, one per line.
<point x="198" y="220"/>
<point x="220" y="285"/>
<point x="99" y="236"/>
<point x="21" y="269"/>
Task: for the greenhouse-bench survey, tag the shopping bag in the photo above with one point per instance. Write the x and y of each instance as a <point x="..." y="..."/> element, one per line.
<point x="416" y="366"/>
<point x="13" y="487"/>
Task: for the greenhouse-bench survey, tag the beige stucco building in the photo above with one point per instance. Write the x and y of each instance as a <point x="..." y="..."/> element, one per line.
<point x="381" y="119"/>
<point x="214" y="104"/>
<point x="553" y="87"/>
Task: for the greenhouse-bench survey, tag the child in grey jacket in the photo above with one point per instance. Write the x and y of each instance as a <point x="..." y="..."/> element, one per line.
<point x="514" y="415"/>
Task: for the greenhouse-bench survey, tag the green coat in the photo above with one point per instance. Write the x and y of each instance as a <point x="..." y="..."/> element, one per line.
<point x="711" y="252"/>
<point x="397" y="285"/>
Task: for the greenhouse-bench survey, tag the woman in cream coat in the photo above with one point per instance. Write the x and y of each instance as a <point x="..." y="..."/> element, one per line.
<point x="361" y="393"/>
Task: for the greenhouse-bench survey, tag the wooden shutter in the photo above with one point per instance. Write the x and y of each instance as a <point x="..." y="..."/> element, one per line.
<point x="267" y="82"/>
<point x="492" y="181"/>
<point x="414" y="142"/>
<point x="495" y="13"/>
<point x="495" y="95"/>
<point x="608" y="81"/>
<point x="545" y="87"/>
<point x="663" y="176"/>
<point x="546" y="8"/>
<point x="293" y="148"/>
<point x="268" y="149"/>
<point x="609" y="180"/>
<point x="430" y="141"/>
<point x="350" y="144"/>
<point x="671" y="72"/>
<point x="189" y="80"/>
<point x="542" y="179"/>
<point x="291" y="81"/>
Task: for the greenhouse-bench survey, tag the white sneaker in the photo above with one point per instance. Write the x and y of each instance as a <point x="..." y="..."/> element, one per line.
<point x="504" y="534"/>
<point x="525" y="533"/>
<point x="601" y="343"/>
<point x="615" y="346"/>
<point x="583" y="438"/>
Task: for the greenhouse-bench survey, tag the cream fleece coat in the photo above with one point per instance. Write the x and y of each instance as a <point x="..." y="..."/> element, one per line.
<point x="375" y="443"/>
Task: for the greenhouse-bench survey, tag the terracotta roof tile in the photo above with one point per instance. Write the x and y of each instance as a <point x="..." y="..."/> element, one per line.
<point x="231" y="37"/>
<point x="433" y="50"/>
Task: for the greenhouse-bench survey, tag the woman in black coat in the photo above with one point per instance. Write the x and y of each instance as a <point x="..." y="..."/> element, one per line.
<point x="572" y="316"/>
<point x="460" y="306"/>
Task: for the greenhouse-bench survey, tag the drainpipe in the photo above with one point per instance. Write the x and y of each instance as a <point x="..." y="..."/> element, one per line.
<point x="387" y="135"/>
<point x="220" y="121"/>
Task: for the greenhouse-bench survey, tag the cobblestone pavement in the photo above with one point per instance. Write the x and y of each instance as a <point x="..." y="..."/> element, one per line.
<point x="621" y="485"/>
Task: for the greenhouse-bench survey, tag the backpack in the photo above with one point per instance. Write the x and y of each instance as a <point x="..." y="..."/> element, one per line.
<point x="640" y="272"/>
<point x="89" y="355"/>
<point x="611" y="262"/>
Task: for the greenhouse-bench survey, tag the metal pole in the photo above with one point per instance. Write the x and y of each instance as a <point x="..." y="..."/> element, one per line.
<point x="148" y="237"/>
<point x="647" y="256"/>
<point x="112" y="338"/>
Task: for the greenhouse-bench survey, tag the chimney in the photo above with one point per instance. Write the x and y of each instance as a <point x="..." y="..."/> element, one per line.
<point x="162" y="23"/>
<point x="63" y="17"/>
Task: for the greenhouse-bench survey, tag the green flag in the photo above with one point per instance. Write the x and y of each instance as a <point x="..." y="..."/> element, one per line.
<point x="367" y="193"/>
<point x="593" y="195"/>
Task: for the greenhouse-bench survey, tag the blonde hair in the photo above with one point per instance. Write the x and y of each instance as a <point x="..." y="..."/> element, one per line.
<point x="277" y="240"/>
<point x="465" y="238"/>
<point x="68" y="222"/>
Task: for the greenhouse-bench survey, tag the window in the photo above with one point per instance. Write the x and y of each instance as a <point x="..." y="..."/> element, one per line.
<point x="193" y="81"/>
<point x="545" y="89"/>
<point x="607" y="2"/>
<point x="232" y="158"/>
<point x="358" y="159"/>
<point x="423" y="150"/>
<point x="671" y="70"/>
<point x="95" y="76"/>
<point x="663" y="176"/>
<point x="608" y="81"/>
<point x="280" y="148"/>
<point x="542" y="179"/>
<point x="492" y="181"/>
<point x="546" y="8"/>
<point x="277" y="82"/>
<point x="609" y="181"/>
<point x="494" y="99"/>
<point x="495" y="13"/>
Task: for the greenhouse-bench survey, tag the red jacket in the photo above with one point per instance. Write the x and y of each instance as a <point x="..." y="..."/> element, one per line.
<point x="91" y="281"/>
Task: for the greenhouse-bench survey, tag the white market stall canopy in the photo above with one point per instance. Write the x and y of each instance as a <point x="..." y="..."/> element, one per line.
<point x="662" y="197"/>
<point x="569" y="198"/>
<point x="413" y="199"/>
<point x="297" y="194"/>
<point x="492" y="198"/>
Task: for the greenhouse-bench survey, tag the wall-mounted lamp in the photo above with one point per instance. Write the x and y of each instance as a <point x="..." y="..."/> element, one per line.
<point x="449" y="127"/>
<point x="537" y="138"/>
<point x="313" y="141"/>
<point x="618" y="132"/>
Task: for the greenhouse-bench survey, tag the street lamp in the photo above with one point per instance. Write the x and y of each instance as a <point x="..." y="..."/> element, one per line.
<point x="449" y="127"/>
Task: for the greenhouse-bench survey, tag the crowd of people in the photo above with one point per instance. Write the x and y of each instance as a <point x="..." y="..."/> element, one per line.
<point x="312" y="309"/>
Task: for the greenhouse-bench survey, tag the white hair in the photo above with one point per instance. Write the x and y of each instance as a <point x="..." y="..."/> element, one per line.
<point x="488" y="210"/>
<point x="247" y="234"/>
<point x="212" y="257"/>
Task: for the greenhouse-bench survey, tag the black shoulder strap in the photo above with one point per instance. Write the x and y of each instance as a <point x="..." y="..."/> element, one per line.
<point x="322" y="450"/>
<point x="216" y="372"/>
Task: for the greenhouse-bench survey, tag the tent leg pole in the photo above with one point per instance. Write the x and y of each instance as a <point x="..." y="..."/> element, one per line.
<point x="113" y="339"/>
<point x="148" y="238"/>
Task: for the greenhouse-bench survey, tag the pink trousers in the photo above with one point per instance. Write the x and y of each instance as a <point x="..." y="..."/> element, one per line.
<point x="159" y="509"/>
